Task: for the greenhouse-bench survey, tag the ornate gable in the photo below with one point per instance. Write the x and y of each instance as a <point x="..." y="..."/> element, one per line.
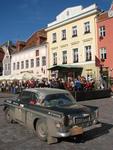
<point x="110" y="12"/>
<point x="69" y="13"/>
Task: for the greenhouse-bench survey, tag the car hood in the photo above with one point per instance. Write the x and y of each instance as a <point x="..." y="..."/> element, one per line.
<point x="74" y="109"/>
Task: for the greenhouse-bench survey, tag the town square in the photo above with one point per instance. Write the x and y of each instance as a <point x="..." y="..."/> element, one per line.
<point x="56" y="75"/>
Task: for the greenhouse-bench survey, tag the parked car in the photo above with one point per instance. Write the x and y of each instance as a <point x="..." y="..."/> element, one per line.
<point x="50" y="113"/>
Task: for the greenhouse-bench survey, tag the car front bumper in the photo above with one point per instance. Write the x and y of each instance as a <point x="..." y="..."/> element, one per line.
<point x="77" y="130"/>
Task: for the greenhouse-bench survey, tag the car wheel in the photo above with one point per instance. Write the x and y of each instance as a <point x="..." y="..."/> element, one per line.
<point x="8" y="116"/>
<point x="41" y="129"/>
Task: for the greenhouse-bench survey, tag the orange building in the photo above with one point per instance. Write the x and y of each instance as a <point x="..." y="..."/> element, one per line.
<point x="105" y="41"/>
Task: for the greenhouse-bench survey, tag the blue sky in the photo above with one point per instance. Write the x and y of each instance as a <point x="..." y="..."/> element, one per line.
<point x="20" y="18"/>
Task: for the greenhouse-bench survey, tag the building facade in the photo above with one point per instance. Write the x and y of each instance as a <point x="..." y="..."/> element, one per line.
<point x="72" y="40"/>
<point x="105" y="45"/>
<point x="1" y="60"/>
<point x="32" y="60"/>
<point x="8" y="47"/>
<point x="31" y="57"/>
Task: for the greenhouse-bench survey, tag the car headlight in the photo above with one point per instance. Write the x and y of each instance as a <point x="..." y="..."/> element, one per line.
<point x="94" y="116"/>
<point x="58" y="124"/>
<point x="63" y="122"/>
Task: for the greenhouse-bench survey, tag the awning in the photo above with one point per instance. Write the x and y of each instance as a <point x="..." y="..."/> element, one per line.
<point x="19" y="76"/>
<point x="59" y="67"/>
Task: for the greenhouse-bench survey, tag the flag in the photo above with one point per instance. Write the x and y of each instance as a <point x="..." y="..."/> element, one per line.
<point x="97" y="62"/>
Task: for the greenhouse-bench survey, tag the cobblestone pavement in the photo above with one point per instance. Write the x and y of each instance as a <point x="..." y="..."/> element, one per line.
<point x="17" y="137"/>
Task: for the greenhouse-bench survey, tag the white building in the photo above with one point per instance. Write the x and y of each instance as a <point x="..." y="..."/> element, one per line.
<point x="33" y="60"/>
<point x="8" y="48"/>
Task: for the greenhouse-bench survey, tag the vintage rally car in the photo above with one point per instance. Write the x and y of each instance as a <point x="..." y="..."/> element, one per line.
<point x="50" y="113"/>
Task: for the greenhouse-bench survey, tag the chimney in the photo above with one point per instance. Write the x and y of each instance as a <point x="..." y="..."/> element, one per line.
<point x="20" y="45"/>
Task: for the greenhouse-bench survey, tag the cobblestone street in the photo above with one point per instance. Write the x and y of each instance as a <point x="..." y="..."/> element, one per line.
<point x="17" y="137"/>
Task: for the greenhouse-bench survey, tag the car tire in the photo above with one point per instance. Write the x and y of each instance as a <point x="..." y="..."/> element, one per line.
<point x="8" y="116"/>
<point x="41" y="129"/>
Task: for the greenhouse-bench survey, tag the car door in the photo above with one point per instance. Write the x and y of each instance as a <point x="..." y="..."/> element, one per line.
<point x="34" y="100"/>
<point x="24" y="99"/>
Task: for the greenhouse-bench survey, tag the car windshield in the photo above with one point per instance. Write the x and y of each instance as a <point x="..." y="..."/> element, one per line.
<point x="60" y="99"/>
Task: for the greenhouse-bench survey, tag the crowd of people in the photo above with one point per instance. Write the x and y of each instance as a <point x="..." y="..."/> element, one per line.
<point x="76" y="84"/>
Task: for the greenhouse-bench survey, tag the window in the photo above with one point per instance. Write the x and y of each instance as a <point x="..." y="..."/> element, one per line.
<point x="60" y="99"/>
<point x="14" y="66"/>
<point x="103" y="53"/>
<point x="35" y="96"/>
<point x="102" y="31"/>
<point x="55" y="58"/>
<point x="87" y="27"/>
<point x="18" y="65"/>
<point x="27" y="63"/>
<point x="54" y="37"/>
<point x="64" y="53"/>
<point x="37" y="62"/>
<point x="37" y="52"/>
<point x="22" y="64"/>
<point x="75" y="55"/>
<point x="43" y="60"/>
<point x="5" y="66"/>
<point x="9" y="66"/>
<point x="74" y="31"/>
<point x="63" y="34"/>
<point x="88" y="53"/>
<point x="32" y="63"/>
<point x="25" y="97"/>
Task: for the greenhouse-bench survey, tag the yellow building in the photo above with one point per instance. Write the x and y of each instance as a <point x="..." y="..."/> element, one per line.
<point x="72" y="42"/>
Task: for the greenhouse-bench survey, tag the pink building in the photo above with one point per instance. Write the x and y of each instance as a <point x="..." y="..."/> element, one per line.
<point x="105" y="41"/>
